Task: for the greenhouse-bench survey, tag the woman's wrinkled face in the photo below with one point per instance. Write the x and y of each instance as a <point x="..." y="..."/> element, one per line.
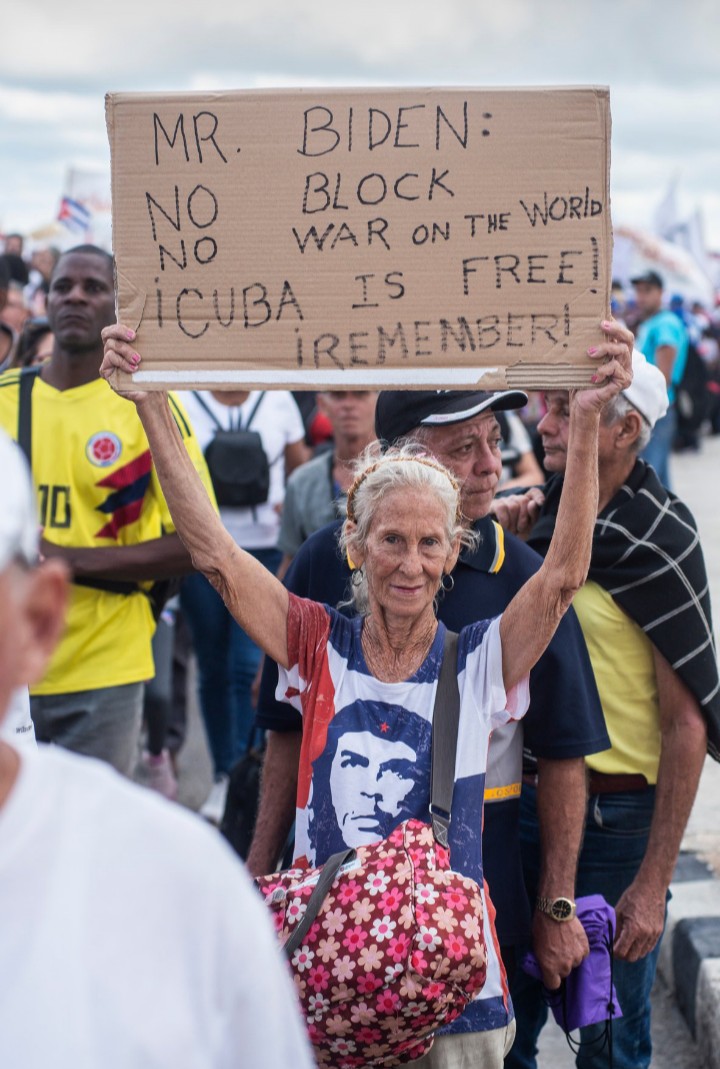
<point x="407" y="552"/>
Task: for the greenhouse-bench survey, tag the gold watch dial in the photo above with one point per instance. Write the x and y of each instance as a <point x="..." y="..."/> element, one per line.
<point x="562" y="909"/>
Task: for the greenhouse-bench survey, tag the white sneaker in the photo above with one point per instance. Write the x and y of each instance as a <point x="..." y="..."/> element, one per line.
<point x="213" y="807"/>
<point x="156" y="772"/>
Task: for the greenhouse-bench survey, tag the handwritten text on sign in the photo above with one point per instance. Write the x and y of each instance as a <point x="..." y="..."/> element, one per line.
<point x="393" y="237"/>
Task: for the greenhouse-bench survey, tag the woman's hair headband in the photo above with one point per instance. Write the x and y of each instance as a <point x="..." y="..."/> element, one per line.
<point x="427" y="461"/>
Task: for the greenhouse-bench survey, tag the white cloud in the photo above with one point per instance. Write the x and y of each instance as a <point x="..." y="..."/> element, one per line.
<point x="36" y="107"/>
<point x="659" y="59"/>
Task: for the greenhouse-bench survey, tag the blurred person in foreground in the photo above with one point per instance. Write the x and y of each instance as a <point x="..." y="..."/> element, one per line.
<point x="645" y="613"/>
<point x="404" y="531"/>
<point x="132" y="936"/>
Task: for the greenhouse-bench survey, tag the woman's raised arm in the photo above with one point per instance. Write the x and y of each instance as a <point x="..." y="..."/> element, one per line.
<point x="252" y="594"/>
<point x="531" y="618"/>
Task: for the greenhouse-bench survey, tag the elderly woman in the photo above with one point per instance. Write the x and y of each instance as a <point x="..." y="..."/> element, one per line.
<point x="366" y="686"/>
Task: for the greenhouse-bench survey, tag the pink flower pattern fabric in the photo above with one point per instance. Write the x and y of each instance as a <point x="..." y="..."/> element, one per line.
<point x="396" y="951"/>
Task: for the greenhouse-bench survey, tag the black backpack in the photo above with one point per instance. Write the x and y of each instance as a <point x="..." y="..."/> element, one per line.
<point x="237" y="462"/>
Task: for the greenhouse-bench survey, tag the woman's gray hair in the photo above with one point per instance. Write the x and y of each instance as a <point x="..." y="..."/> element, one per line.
<point x="404" y="467"/>
<point x="618" y="409"/>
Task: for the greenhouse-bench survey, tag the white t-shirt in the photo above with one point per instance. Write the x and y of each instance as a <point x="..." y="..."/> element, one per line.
<point x="279" y="423"/>
<point x="131" y="937"/>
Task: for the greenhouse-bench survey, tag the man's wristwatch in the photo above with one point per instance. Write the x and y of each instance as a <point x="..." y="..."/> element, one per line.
<point x="560" y="909"/>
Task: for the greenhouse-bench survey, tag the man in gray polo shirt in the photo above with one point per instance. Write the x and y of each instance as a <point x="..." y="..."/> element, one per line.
<point x="315" y="492"/>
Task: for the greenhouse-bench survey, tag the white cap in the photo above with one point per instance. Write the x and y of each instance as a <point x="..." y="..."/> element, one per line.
<point x="648" y="390"/>
<point x="18" y="514"/>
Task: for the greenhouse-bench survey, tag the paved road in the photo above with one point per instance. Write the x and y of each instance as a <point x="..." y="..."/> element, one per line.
<point x="695" y="480"/>
<point x="673" y="1046"/>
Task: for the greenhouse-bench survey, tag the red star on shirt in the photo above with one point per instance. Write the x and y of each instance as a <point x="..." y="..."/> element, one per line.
<point x="384" y="727"/>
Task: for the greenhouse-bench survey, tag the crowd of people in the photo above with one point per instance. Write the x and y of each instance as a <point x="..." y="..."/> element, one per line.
<point x="310" y="552"/>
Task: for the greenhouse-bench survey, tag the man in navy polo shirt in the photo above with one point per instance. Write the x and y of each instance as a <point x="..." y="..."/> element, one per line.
<point x="565" y="720"/>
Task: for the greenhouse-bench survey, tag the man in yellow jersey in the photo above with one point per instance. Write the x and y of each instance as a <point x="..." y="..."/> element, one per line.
<point x="645" y="614"/>
<point x="101" y="511"/>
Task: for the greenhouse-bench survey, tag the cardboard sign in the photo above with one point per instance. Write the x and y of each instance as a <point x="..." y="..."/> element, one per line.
<point x="400" y="237"/>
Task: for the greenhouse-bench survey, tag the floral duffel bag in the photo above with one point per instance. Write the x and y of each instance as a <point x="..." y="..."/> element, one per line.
<point x="386" y="942"/>
<point x="386" y="946"/>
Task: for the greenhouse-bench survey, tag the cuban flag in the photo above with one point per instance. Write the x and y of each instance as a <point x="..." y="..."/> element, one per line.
<point x="74" y="215"/>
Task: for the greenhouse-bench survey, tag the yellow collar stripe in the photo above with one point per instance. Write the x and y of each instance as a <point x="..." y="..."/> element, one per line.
<point x="499" y="559"/>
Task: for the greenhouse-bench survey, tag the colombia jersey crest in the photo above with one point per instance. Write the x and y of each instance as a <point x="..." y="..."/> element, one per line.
<point x="103" y="449"/>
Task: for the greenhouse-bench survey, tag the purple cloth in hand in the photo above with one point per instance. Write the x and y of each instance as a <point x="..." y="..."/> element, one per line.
<point x="587" y="995"/>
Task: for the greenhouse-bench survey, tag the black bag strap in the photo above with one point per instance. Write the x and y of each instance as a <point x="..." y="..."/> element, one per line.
<point x="445" y="723"/>
<point x="250" y="418"/>
<point x="256" y="739"/>
<point x="327" y="877"/>
<point x="206" y="406"/>
<point x="203" y="404"/>
<point x="255" y="407"/>
<point x="28" y="377"/>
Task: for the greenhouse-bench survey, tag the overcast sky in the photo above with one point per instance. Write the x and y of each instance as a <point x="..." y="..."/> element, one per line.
<point x="660" y="59"/>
